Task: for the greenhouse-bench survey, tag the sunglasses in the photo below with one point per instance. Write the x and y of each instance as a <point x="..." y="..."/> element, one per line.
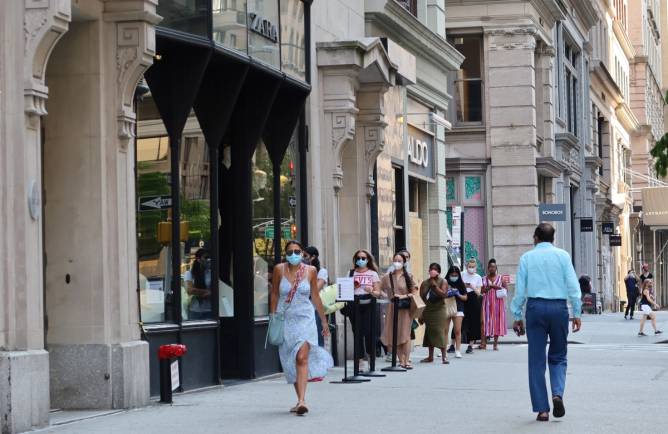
<point x="293" y="252"/>
<point x="364" y="258"/>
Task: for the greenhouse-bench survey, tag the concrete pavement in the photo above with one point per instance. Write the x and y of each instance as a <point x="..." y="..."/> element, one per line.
<point x="617" y="383"/>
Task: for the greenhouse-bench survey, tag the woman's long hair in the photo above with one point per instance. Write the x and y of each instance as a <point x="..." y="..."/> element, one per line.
<point x="371" y="261"/>
<point x="313" y="252"/>
<point x="198" y="270"/>
<point x="409" y="281"/>
<point x="459" y="284"/>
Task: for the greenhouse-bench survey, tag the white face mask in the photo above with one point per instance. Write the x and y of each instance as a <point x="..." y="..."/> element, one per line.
<point x="398" y="265"/>
<point x="471" y="270"/>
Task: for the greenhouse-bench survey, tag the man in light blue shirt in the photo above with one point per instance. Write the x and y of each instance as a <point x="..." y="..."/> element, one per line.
<point x="545" y="281"/>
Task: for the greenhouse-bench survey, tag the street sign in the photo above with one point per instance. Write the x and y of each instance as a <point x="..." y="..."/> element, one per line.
<point x="270" y="233"/>
<point x="586" y="225"/>
<point x="174" y="372"/>
<point x="456" y="227"/>
<point x="152" y="203"/>
<point x="608" y="228"/>
<point x="615" y="240"/>
<point x="552" y="212"/>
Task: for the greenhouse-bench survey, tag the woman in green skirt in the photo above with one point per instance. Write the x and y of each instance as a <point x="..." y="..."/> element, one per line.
<point x="433" y="291"/>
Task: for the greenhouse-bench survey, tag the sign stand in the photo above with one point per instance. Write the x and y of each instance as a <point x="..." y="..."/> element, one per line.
<point x="345" y="291"/>
<point x="357" y="336"/>
<point x="372" y="357"/>
<point x="395" y="324"/>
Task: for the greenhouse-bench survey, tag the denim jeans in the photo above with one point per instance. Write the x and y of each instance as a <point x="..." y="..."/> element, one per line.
<point x="546" y="318"/>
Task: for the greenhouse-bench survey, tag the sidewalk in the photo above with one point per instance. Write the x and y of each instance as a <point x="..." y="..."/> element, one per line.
<point x="485" y="392"/>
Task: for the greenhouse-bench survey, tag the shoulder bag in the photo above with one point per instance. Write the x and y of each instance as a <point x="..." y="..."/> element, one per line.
<point x="275" y="331"/>
<point x="502" y="292"/>
<point x="402" y="303"/>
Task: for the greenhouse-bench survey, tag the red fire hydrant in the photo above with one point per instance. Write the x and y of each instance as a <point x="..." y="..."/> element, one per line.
<point x="169" y="370"/>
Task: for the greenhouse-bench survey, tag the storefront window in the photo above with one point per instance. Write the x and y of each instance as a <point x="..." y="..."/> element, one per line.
<point x="190" y="16"/>
<point x="154" y="229"/>
<point x="451" y="192"/>
<point x="473" y="188"/>
<point x="289" y="193"/>
<point x="263" y="22"/>
<point x="263" y="227"/>
<point x="196" y="271"/>
<point x="293" y="41"/>
<point x="229" y="23"/>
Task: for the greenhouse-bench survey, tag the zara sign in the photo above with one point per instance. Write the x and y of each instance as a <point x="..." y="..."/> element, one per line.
<point x="420" y="148"/>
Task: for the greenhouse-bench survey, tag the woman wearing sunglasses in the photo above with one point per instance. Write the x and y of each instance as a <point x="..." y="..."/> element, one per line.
<point x="293" y="283"/>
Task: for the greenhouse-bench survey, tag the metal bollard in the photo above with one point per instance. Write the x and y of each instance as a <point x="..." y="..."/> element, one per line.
<point x="169" y="370"/>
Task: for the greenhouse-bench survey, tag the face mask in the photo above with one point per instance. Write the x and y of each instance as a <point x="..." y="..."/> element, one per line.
<point x="471" y="270"/>
<point x="398" y="265"/>
<point x="433" y="274"/>
<point x="306" y="261"/>
<point x="361" y="263"/>
<point x="453" y="279"/>
<point x="294" y="259"/>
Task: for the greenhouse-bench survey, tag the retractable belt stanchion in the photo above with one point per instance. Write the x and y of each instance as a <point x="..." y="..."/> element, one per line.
<point x="357" y="336"/>
<point x="395" y="326"/>
<point x="355" y="378"/>
<point x="372" y="330"/>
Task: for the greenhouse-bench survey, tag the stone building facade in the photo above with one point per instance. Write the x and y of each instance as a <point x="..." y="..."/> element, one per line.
<point x="524" y="138"/>
<point x="68" y="284"/>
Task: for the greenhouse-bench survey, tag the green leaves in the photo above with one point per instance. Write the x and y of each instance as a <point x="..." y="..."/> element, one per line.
<point x="660" y="152"/>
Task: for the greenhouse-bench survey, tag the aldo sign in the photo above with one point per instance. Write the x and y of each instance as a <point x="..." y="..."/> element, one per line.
<point x="420" y="149"/>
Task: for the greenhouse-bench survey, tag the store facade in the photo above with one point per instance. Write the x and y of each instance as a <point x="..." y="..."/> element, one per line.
<point x="220" y="142"/>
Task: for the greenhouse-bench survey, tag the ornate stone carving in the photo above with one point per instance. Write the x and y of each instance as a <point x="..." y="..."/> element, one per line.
<point x="343" y="128"/>
<point x="337" y="177"/>
<point x="523" y="38"/>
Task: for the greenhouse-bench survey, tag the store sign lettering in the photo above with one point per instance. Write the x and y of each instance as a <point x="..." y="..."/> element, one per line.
<point x="263" y="27"/>
<point x="418" y="152"/>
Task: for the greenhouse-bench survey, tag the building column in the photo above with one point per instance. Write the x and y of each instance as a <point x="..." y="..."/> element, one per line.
<point x="438" y="216"/>
<point x="30" y="29"/>
<point x="97" y="359"/>
<point x="512" y="137"/>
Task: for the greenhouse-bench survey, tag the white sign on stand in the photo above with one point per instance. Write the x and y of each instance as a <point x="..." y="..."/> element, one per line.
<point x="456" y="226"/>
<point x="346" y="289"/>
<point x="175" y="375"/>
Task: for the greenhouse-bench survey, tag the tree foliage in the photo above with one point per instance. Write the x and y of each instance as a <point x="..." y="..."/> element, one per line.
<point x="660" y="152"/>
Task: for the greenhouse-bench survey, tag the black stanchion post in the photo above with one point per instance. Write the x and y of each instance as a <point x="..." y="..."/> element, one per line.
<point x="346" y="379"/>
<point x="372" y="329"/>
<point x="165" y="381"/>
<point x="357" y="336"/>
<point x="395" y="325"/>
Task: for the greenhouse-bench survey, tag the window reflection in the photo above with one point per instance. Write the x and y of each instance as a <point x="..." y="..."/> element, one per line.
<point x="153" y="228"/>
<point x="185" y="15"/>
<point x="468" y="85"/>
<point x="293" y="42"/>
<point x="263" y="227"/>
<point x="229" y="23"/>
<point x="196" y="222"/>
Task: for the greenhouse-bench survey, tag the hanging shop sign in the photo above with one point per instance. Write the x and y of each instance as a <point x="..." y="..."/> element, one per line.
<point x="420" y="149"/>
<point x="615" y="240"/>
<point x="608" y="228"/>
<point x="586" y="225"/>
<point x="655" y="206"/>
<point x="262" y="26"/>
<point x="552" y="212"/>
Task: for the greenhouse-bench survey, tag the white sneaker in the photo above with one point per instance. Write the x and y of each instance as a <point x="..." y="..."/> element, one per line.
<point x="458" y="355"/>
<point x="388" y="357"/>
<point x="363" y="366"/>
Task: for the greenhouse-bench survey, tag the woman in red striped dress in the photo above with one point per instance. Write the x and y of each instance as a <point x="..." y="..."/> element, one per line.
<point x="494" y="292"/>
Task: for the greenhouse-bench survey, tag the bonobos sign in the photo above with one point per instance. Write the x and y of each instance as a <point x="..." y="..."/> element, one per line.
<point x="552" y="212"/>
<point x="420" y="150"/>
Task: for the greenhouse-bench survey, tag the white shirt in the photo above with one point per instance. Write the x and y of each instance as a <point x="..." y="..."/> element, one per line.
<point x="323" y="274"/>
<point x="473" y="279"/>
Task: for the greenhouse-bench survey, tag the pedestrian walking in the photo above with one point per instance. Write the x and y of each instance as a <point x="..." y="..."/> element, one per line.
<point x="367" y="286"/>
<point x="647" y="306"/>
<point x="295" y="290"/>
<point x="646" y="274"/>
<point x="545" y="280"/>
<point x="632" y="293"/>
<point x="456" y="292"/>
<point x="312" y="257"/>
<point x="494" y="293"/>
<point x="399" y="284"/>
<point x="433" y="291"/>
<point x="472" y="310"/>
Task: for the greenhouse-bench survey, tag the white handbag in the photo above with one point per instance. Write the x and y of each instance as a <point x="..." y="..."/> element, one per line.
<point x="502" y="293"/>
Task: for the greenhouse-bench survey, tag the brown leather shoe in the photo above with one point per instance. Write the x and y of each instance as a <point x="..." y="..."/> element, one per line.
<point x="543" y="417"/>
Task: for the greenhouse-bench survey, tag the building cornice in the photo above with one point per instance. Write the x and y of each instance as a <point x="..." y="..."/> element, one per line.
<point x="549" y="167"/>
<point x="587" y="13"/>
<point x="400" y="25"/>
<point x="555" y="9"/>
<point x="626" y="117"/>
<point x="623" y="39"/>
<point x="466" y="165"/>
<point x="602" y="74"/>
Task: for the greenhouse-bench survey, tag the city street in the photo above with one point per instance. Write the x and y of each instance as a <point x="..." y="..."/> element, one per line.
<point x="617" y="383"/>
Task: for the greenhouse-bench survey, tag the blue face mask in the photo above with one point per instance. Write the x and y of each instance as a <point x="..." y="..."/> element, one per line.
<point x="294" y="259"/>
<point x="361" y="263"/>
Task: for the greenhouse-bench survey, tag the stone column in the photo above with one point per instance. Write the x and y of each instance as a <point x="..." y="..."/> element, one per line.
<point x="512" y="138"/>
<point x="96" y="355"/>
<point x="29" y="30"/>
<point x="438" y="218"/>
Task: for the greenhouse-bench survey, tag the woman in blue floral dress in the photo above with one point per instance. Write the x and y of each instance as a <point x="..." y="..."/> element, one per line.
<point x="295" y="291"/>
